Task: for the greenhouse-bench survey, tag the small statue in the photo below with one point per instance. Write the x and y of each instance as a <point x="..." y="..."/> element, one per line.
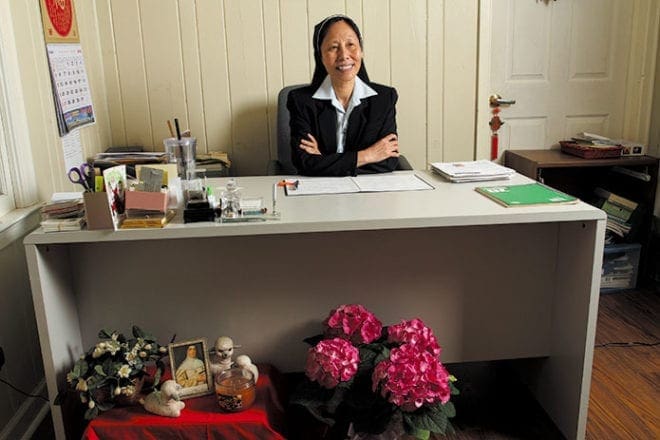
<point x="224" y="350"/>
<point x="245" y="362"/>
<point x="165" y="402"/>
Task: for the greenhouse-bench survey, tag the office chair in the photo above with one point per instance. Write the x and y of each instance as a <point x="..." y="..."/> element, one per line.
<point x="283" y="165"/>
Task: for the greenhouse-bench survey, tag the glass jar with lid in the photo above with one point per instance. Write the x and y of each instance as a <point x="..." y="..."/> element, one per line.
<point x="235" y="389"/>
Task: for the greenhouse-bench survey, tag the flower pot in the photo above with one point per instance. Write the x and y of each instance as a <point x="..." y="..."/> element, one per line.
<point x="129" y="400"/>
<point x="394" y="431"/>
<point x="102" y="395"/>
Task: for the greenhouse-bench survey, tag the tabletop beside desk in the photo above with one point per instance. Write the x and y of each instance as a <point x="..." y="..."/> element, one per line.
<point x="493" y="282"/>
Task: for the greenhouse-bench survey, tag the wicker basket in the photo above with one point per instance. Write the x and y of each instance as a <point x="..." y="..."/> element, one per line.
<point x="589" y="151"/>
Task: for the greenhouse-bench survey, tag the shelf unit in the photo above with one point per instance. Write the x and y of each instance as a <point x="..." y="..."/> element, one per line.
<point x="577" y="176"/>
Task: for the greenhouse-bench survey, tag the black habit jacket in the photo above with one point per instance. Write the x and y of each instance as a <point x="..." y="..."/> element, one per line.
<point x="370" y="121"/>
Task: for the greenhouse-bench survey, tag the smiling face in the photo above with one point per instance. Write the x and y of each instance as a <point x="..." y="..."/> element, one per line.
<point x="341" y="53"/>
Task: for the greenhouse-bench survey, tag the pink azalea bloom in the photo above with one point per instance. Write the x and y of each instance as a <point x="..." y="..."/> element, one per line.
<point x="353" y="322"/>
<point x="411" y="377"/>
<point x="414" y="332"/>
<point x="332" y="361"/>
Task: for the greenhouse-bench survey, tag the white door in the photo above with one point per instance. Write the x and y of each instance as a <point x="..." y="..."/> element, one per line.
<point x="564" y="63"/>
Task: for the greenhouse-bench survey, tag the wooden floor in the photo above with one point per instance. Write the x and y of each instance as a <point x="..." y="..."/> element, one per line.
<point x="625" y="388"/>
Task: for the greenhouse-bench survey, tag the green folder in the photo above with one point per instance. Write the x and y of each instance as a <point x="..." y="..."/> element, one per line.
<point x="525" y="195"/>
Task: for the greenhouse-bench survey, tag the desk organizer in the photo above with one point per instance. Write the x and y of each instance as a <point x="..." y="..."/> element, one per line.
<point x="97" y="211"/>
<point x="620" y="267"/>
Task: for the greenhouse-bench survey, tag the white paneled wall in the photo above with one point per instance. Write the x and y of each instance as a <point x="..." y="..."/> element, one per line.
<point x="218" y="65"/>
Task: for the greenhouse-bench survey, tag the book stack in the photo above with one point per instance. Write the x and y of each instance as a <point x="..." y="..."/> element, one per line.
<point x="63" y="215"/>
<point x="619" y="214"/>
<point x="480" y="170"/>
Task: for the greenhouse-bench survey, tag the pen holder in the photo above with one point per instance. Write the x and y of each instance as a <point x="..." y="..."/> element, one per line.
<point x="97" y="211"/>
<point x="182" y="152"/>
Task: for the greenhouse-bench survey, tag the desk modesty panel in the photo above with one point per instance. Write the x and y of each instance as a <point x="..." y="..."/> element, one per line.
<point x="493" y="282"/>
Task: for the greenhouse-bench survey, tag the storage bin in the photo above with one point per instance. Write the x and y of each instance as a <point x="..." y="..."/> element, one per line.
<point x="620" y="266"/>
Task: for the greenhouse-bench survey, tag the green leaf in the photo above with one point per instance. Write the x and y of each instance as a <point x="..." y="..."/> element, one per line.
<point x="105" y="333"/>
<point x="431" y="418"/>
<point x="80" y="368"/>
<point x="421" y="434"/>
<point x="137" y="332"/>
<point x="95" y="382"/>
<point x="91" y="413"/>
<point x="157" y="376"/>
<point x="99" y="370"/>
<point x="372" y="354"/>
<point x="450" y="410"/>
<point x="336" y="399"/>
<point x="453" y="390"/>
<point x="104" y="406"/>
<point x="316" y="413"/>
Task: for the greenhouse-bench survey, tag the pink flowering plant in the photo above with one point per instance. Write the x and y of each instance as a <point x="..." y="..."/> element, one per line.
<point x="366" y="375"/>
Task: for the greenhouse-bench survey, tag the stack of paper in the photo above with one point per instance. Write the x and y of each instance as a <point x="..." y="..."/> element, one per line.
<point x="472" y="171"/>
<point x="63" y="214"/>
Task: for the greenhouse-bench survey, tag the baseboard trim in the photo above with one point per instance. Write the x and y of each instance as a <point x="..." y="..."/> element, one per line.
<point x="28" y="417"/>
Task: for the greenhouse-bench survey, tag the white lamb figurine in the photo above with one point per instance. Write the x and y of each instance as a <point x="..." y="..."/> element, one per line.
<point x="166" y="401"/>
<point x="224" y="350"/>
<point x="245" y="362"/>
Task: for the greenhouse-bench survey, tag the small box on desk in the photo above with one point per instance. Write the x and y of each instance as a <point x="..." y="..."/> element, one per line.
<point x="620" y="267"/>
<point x="97" y="211"/>
<point x="146" y="201"/>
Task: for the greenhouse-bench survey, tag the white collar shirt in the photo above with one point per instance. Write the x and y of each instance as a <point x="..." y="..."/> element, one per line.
<point x="360" y="91"/>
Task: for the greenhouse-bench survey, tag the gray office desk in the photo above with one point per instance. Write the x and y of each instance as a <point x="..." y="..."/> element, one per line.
<point x="493" y="282"/>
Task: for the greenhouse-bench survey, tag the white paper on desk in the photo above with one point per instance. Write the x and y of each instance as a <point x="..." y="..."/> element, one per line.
<point x="66" y="196"/>
<point x="471" y="168"/>
<point x="390" y="182"/>
<point x="322" y="185"/>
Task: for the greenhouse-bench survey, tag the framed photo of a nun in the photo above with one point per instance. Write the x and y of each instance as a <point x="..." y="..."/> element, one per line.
<point x="189" y="361"/>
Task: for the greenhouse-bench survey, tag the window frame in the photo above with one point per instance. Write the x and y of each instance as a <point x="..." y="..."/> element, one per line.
<point x="17" y="177"/>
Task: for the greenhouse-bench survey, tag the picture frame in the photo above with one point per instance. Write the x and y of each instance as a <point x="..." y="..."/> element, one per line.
<point x="189" y="363"/>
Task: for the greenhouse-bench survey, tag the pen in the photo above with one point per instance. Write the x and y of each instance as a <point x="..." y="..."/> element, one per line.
<point x="178" y="130"/>
<point x="274" y="196"/>
<point x="169" y="126"/>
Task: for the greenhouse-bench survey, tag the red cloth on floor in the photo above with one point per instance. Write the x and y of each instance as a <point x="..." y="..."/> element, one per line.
<point x="202" y="418"/>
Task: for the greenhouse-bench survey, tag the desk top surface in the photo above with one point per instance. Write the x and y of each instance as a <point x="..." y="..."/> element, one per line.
<point x="447" y="205"/>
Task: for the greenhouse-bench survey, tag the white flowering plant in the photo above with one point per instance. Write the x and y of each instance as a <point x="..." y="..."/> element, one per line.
<point x="113" y="370"/>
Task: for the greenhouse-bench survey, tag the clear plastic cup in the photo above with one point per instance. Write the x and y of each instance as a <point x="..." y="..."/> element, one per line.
<point x="182" y="152"/>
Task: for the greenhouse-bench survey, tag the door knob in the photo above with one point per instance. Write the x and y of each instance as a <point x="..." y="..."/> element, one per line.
<point x="496" y="101"/>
